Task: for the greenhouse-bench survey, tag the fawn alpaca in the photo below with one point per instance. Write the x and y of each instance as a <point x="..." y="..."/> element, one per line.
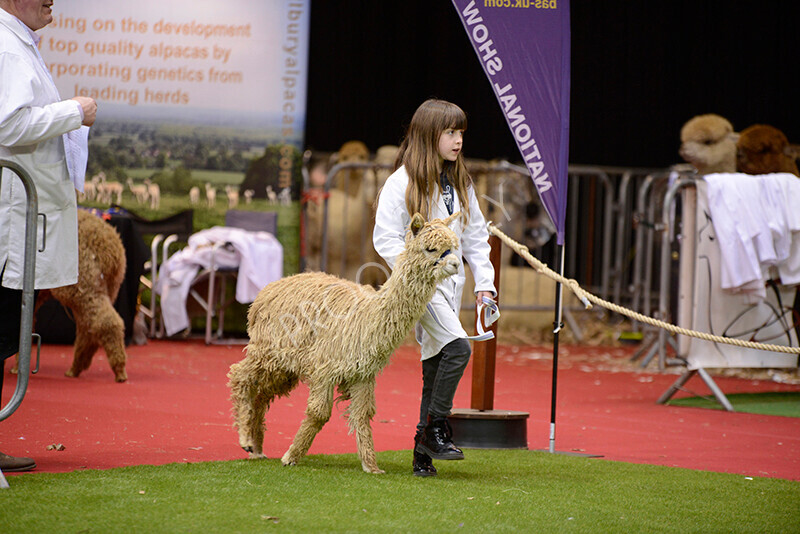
<point x="331" y="334"/>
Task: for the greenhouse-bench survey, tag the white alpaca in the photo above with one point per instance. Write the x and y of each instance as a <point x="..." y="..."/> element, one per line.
<point x="153" y="193"/>
<point x="109" y="190"/>
<point x="248" y="196"/>
<point x="211" y="195"/>
<point x="233" y="196"/>
<point x="139" y="191"/>
<point x="331" y="333"/>
<point x="89" y="189"/>
<point x="285" y="196"/>
<point x="194" y="196"/>
<point x="272" y="197"/>
<point x="99" y="180"/>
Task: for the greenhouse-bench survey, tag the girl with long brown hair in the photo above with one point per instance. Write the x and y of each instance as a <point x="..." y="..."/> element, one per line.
<point x="431" y="179"/>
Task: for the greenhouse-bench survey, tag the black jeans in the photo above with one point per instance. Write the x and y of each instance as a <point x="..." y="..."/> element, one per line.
<point x="10" y="319"/>
<point x="440" y="377"/>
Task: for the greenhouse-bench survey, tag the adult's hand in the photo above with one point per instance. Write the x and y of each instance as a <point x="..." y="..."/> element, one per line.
<point x="89" y="107"/>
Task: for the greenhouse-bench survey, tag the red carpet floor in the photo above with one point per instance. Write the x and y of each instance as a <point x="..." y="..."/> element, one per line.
<point x="175" y="408"/>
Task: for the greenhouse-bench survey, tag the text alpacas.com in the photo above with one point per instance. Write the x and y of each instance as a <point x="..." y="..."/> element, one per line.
<point x="332" y="334"/>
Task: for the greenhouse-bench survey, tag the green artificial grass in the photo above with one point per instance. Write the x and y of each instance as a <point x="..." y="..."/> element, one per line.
<point x="786" y="403"/>
<point x="491" y="491"/>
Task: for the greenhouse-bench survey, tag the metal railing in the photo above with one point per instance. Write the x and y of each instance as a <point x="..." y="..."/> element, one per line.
<point x="26" y="324"/>
<point x="28" y="281"/>
<point x="611" y="235"/>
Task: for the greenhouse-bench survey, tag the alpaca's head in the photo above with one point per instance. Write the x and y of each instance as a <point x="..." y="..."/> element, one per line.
<point x="431" y="247"/>
<point x="763" y="149"/>
<point x="708" y="142"/>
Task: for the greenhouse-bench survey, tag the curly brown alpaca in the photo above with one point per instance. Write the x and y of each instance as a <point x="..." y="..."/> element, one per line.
<point x="764" y="149"/>
<point x="331" y="334"/>
<point x="101" y="269"/>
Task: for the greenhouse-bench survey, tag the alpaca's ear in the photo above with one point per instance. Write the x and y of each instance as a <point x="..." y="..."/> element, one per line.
<point x="417" y="222"/>
<point x="448" y="221"/>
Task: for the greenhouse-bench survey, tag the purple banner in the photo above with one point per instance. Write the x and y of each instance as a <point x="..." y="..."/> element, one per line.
<point x="524" y="48"/>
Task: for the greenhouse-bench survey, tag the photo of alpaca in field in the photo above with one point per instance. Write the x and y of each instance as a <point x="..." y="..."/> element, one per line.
<point x="332" y="333"/>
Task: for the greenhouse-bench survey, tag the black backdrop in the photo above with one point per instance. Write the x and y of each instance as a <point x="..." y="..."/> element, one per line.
<point x="640" y="69"/>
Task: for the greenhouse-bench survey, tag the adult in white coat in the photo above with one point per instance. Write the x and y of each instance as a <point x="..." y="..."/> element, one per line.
<point x="38" y="132"/>
<point x="433" y="181"/>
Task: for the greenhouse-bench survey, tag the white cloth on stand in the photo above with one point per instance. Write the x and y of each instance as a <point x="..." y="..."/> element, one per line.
<point x="258" y="256"/>
<point x="757" y="228"/>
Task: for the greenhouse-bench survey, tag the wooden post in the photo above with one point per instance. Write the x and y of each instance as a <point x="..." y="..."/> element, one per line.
<point x="481" y="426"/>
<point x="484" y="352"/>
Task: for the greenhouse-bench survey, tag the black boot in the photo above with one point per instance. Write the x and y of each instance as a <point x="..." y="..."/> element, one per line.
<point x="423" y="465"/>
<point x="436" y="441"/>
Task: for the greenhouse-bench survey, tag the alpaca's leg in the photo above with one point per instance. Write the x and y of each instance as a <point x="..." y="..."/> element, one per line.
<point x="110" y="329"/>
<point x="97" y="324"/>
<point x="251" y="432"/>
<point x="85" y="347"/>
<point x="252" y="392"/>
<point x="361" y="412"/>
<point x="318" y="412"/>
<point x="249" y="406"/>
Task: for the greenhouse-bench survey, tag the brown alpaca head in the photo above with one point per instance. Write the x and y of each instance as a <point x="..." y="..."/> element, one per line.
<point x="431" y="248"/>
<point x="763" y="149"/>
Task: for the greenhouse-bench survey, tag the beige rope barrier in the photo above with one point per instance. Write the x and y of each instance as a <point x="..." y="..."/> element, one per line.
<point x="587" y="298"/>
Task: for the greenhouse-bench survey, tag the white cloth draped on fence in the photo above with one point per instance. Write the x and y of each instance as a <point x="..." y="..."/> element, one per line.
<point x="258" y="256"/>
<point x="757" y="223"/>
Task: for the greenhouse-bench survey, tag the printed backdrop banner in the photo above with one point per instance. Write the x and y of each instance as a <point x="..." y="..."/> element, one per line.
<point x="524" y="48"/>
<point x="193" y="96"/>
<point x="236" y="64"/>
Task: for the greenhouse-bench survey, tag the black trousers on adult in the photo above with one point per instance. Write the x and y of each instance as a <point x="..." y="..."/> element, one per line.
<point x="10" y="319"/>
<point x="440" y="377"/>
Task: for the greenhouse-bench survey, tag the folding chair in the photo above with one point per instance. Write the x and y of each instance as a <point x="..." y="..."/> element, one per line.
<point x="166" y="231"/>
<point x="216" y="299"/>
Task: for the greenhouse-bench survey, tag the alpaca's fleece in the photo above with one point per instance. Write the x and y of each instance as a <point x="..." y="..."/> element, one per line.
<point x="350" y="221"/>
<point x="331" y="333"/>
<point x="708" y="142"/>
<point x="764" y="149"/>
<point x="101" y="269"/>
<point x="352" y="152"/>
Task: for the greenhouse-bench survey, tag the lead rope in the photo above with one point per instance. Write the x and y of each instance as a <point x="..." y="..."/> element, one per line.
<point x="587" y="298"/>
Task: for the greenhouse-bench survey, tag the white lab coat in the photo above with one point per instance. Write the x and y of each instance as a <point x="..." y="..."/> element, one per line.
<point x="32" y="121"/>
<point x="391" y="224"/>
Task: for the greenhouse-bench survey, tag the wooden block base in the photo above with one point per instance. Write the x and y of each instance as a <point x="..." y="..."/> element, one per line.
<point x="489" y="429"/>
